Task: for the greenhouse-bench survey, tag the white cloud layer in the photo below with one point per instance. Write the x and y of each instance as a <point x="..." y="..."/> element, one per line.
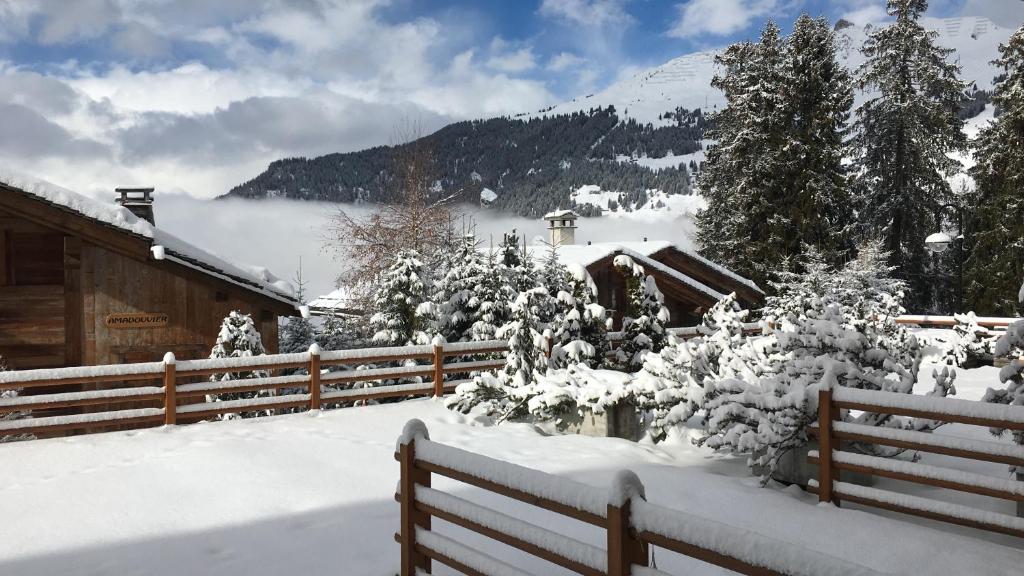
<point x="718" y="17"/>
<point x="263" y="79"/>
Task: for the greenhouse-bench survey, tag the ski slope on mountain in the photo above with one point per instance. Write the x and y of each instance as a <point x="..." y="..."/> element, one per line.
<point x="686" y="81"/>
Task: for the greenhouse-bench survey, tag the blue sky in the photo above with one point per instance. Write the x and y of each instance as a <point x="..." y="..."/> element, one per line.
<point x="200" y="95"/>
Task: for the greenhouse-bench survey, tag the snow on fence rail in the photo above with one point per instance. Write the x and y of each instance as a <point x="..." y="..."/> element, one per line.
<point x="632" y="525"/>
<point x="182" y="389"/>
<point x="831" y="459"/>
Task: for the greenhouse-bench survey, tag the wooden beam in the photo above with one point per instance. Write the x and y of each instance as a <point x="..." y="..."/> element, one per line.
<point x="74" y="315"/>
<point x="3" y="257"/>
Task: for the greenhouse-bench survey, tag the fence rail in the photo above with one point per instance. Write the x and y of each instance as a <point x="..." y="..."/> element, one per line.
<point x="172" y="386"/>
<point x="632" y="525"/>
<point x="832" y="460"/>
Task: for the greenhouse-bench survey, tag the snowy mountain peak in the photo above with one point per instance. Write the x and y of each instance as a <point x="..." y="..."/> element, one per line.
<point x="686" y="81"/>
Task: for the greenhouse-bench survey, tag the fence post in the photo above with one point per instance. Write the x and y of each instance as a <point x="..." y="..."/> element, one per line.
<point x="825" y="469"/>
<point x="170" y="390"/>
<point x="411" y="518"/>
<point x="438" y="370"/>
<point x="314" y="377"/>
<point x="624" y="547"/>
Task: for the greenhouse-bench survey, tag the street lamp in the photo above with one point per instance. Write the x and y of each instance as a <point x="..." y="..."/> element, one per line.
<point x="939" y="242"/>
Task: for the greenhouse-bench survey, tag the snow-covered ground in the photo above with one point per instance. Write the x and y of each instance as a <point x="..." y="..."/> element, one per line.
<point x="312" y="494"/>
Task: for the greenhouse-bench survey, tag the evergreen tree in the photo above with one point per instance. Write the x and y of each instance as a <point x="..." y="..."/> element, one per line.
<point x="903" y="135"/>
<point x="996" y="233"/>
<point x="643" y="323"/>
<point x="775" y="180"/>
<point x="296" y="332"/>
<point x="580" y="333"/>
<point x="495" y="297"/>
<point x="458" y="292"/>
<point x="337" y="333"/>
<point x="238" y="338"/>
<point x="744" y="170"/>
<point x="402" y="310"/>
<point x="516" y="266"/>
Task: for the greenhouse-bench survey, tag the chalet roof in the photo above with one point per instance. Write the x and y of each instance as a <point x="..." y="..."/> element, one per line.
<point x="251" y="278"/>
<point x="338" y="301"/>
<point x="560" y="214"/>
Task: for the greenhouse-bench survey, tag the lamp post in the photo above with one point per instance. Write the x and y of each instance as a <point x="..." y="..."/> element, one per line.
<point x="939" y="242"/>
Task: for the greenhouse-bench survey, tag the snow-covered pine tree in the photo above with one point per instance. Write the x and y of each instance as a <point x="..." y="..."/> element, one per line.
<point x="238" y="338"/>
<point x="742" y="173"/>
<point x="495" y="297"/>
<point x="553" y="276"/>
<point x="995" y="235"/>
<point x="1012" y="375"/>
<point x="516" y="265"/>
<point x="644" y="317"/>
<point x="815" y="205"/>
<point x="903" y="134"/>
<point x="337" y="333"/>
<point x="497" y="395"/>
<point x="580" y="333"/>
<point x="296" y="333"/>
<point x="402" y="311"/>
<point x="458" y="292"/>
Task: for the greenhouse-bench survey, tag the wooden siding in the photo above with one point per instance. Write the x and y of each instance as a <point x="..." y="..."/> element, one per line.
<point x="32" y="326"/>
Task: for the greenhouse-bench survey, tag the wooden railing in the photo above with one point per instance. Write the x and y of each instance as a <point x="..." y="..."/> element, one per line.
<point x="632" y="525"/>
<point x="832" y="460"/>
<point x="162" y="385"/>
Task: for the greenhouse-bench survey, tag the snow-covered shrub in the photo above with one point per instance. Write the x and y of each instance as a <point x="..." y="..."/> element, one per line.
<point x="402" y="312"/>
<point x="972" y="345"/>
<point x="1012" y="375"/>
<point x="645" y="316"/>
<point x="833" y="328"/>
<point x="676" y="382"/>
<point x="579" y="332"/>
<point x="563" y="395"/>
<point x="238" y="338"/>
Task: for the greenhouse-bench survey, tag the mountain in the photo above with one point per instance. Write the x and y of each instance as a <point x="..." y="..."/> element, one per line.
<point x="632" y="146"/>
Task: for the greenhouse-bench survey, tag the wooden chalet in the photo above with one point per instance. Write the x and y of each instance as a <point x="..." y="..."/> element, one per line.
<point x="83" y="282"/>
<point x="691" y="284"/>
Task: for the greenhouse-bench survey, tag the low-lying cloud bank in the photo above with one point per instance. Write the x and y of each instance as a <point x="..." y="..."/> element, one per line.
<point x="278" y="233"/>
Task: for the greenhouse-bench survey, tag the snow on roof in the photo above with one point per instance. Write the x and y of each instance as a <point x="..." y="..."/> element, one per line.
<point x="253" y="278"/>
<point x="488" y="195"/>
<point x="560" y="214"/>
<point x="339" y="299"/>
<point x="650" y="263"/>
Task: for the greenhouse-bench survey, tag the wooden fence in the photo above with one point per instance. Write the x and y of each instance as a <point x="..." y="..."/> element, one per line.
<point x="832" y="459"/>
<point x="180" y="388"/>
<point x="633" y="527"/>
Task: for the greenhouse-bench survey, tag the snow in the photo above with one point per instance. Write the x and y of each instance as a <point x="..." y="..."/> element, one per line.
<point x="925" y="471"/>
<point x="672" y="272"/>
<point x="312" y="494"/>
<point x="412" y="389"/>
<point x="659" y="205"/>
<point x="241" y="362"/>
<point x="686" y="81"/>
<point x="465" y="555"/>
<point x="83" y="418"/>
<point x="487" y="195"/>
<point x="561" y="545"/>
<point x="80" y="372"/>
<point x="377" y="373"/>
<point x="165" y="246"/>
<point x="948" y="406"/>
<point x="243" y="404"/>
<point x="221" y="385"/>
<point x="560" y="214"/>
<point x="475" y="346"/>
<point x="358" y="354"/>
<point x="79" y="396"/>
<point x="929" y="505"/>
<point x="937" y="440"/>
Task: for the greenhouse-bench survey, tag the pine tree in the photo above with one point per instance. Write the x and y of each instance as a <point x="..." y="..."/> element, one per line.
<point x="238" y="338"/>
<point x="402" y="310"/>
<point x="296" y="332"/>
<point x="516" y="265"/>
<point x="580" y="333"/>
<point x="745" y="170"/>
<point x="775" y="180"/>
<point x="645" y="316"/>
<point x="337" y="333"/>
<point x="996" y="233"/>
<point x="495" y="297"/>
<point x="1012" y="375"/>
<point x="458" y="292"/>
<point x="903" y="135"/>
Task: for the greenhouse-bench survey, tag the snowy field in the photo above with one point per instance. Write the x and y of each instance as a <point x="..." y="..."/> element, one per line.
<point x="312" y="494"/>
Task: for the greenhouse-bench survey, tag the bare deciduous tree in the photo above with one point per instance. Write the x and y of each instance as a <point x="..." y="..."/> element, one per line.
<point x="414" y="214"/>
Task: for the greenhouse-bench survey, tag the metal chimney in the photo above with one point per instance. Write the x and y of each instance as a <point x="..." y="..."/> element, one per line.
<point x="138" y="201"/>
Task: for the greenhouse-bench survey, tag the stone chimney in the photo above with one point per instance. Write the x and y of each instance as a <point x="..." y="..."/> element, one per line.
<point x="561" y="227"/>
<point x="138" y="201"/>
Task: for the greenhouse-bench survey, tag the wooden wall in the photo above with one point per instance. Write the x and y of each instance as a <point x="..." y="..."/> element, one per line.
<point x="32" y="302"/>
<point x="115" y="284"/>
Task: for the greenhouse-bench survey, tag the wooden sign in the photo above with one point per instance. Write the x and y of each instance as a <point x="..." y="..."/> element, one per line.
<point x="136" y="320"/>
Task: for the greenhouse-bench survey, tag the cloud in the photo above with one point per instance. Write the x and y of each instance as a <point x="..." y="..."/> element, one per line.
<point x="505" y="58"/>
<point x="562" y="61"/>
<point x="718" y="17"/>
<point x="589" y="13"/>
<point x="27" y="134"/>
